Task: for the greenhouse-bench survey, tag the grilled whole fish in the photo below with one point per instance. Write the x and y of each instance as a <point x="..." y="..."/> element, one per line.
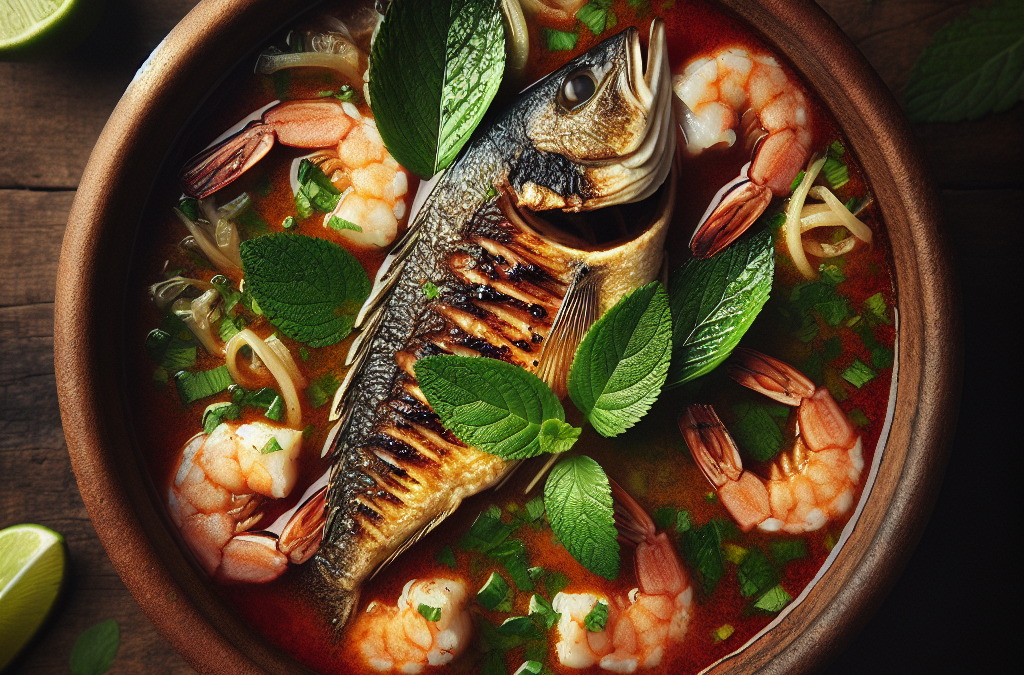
<point x="512" y="285"/>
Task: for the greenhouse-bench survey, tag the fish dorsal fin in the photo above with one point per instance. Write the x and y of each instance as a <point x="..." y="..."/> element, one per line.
<point x="577" y="314"/>
<point x="388" y="274"/>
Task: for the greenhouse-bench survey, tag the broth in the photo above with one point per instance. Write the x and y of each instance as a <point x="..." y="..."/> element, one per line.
<point x="651" y="461"/>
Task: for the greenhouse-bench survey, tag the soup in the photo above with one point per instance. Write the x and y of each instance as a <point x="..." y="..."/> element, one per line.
<point x="676" y="276"/>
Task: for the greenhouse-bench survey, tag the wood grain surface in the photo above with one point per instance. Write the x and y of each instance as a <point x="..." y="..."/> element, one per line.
<point x="949" y="611"/>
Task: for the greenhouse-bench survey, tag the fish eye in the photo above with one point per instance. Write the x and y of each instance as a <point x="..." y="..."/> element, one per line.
<point x="578" y="88"/>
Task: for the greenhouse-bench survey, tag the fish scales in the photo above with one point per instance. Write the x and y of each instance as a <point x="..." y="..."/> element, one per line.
<point x="397" y="472"/>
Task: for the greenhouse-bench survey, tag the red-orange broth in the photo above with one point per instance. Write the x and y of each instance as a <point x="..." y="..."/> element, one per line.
<point x="651" y="461"/>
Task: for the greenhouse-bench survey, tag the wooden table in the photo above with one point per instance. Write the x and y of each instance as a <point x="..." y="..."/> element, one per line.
<point x="938" y="618"/>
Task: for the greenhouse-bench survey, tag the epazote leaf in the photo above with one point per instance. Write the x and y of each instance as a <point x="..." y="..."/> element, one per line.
<point x="578" y="500"/>
<point x="95" y="649"/>
<point x="973" y="66"/>
<point x="309" y="288"/>
<point x="491" y="405"/>
<point x="623" y="360"/>
<point x="714" y="302"/>
<point x="436" y="66"/>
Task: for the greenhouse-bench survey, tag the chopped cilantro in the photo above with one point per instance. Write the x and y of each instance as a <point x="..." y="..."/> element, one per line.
<point x="430" y="290"/>
<point x="486" y="532"/>
<point x="858" y="417"/>
<point x="882" y="357"/>
<point x="702" y="547"/>
<point x="446" y="556"/>
<point x="787" y="550"/>
<point x="555" y="582"/>
<point x="808" y="329"/>
<point x="832" y="349"/>
<point x="756" y="573"/>
<point x="859" y="374"/>
<point x="711" y="497"/>
<point x="876" y="310"/>
<point x="429" y="613"/>
<point x="539" y="606"/>
<point x="535" y="508"/>
<point x="756" y="430"/>
<point x="683" y="523"/>
<point x="316" y="191"/>
<point x="594" y="15"/>
<point x="271" y="446"/>
<point x="835" y="170"/>
<point x="511" y="553"/>
<point x="199" y="384"/>
<point x="558" y="40"/>
<point x="597" y="619"/>
<point x="216" y="413"/>
<point x="773" y="600"/>
<point x="835" y="384"/>
<point x="322" y="390"/>
<point x="831" y="539"/>
<point x="833" y="311"/>
<point x="303" y="353"/>
<point x="495" y="594"/>
<point x="831" y="274"/>
<point x="171" y="346"/>
<point x="339" y="224"/>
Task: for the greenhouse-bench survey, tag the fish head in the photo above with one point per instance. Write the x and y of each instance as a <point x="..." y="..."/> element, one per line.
<point x="600" y="127"/>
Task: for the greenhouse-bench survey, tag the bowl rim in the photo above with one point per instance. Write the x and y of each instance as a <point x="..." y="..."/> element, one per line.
<point x="106" y="214"/>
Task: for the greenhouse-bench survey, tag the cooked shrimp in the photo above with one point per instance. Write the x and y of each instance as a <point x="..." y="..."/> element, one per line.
<point x="402" y="639"/>
<point x="374" y="187"/>
<point x="641" y="625"/>
<point x="220" y="484"/>
<point x="809" y="485"/>
<point x="735" y="88"/>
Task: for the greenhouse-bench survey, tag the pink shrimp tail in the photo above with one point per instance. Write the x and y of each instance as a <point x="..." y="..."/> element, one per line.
<point x="823" y="423"/>
<point x="632" y="522"/>
<point x="778" y="160"/>
<point x="733" y="211"/>
<point x="742" y="493"/>
<point x="214" y="168"/>
<point x="770" y="377"/>
<point x="658" y="569"/>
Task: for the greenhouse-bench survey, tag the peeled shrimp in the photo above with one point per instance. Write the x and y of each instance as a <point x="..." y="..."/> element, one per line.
<point x="402" y="639"/>
<point x="809" y="485"/>
<point x="734" y="88"/>
<point x="641" y="625"/>
<point x="220" y="484"/>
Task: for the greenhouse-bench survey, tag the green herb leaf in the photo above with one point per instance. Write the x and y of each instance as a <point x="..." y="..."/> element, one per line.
<point x="555" y="582"/>
<point x="271" y="446"/>
<point x="722" y="633"/>
<point x="702" y="547"/>
<point x="430" y="290"/>
<point x="756" y="430"/>
<point x="486" y="532"/>
<point x="973" y="66"/>
<point x="535" y="508"/>
<point x="309" y="288"/>
<point x="859" y="374"/>
<point x="796" y="181"/>
<point x="95" y="649"/>
<point x="216" y="413"/>
<point x="875" y="309"/>
<point x="322" y="389"/>
<point x="171" y="346"/>
<point x="190" y="207"/>
<point x="558" y="40"/>
<point x="530" y="668"/>
<point x="733" y="553"/>
<point x="429" y="613"/>
<point x="539" y="606"/>
<point x="339" y="224"/>
<point x="714" y="302"/>
<point x="447" y="557"/>
<point x="491" y="405"/>
<point x="756" y="573"/>
<point x="511" y="553"/>
<point x="594" y="15"/>
<point x="558" y="436"/>
<point x="288" y="223"/>
<point x="773" y="600"/>
<point x="621" y="364"/>
<point x="435" y="68"/>
<point x="347" y="93"/>
<point x="578" y="500"/>
<point x="683" y="523"/>
<point x="787" y="550"/>
<point x="665" y="517"/>
<point x="193" y="386"/>
<point x="316" y="191"/>
<point x="597" y="619"/>
<point x="858" y="417"/>
<point x="495" y="593"/>
<point x="834" y="170"/>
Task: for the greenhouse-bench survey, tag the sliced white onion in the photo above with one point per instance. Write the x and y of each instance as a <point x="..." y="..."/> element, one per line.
<point x="830" y="250"/>
<point x="856" y="226"/>
<point x="792" y="227"/>
<point x="208" y="246"/>
<point x="282" y="352"/>
<point x="277" y="368"/>
<point x="346" y="64"/>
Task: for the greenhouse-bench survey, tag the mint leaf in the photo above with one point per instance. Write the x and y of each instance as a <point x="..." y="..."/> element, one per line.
<point x="95" y="649"/>
<point x="756" y="573"/>
<point x="309" y="288"/>
<point x="594" y="15"/>
<point x="193" y="386"/>
<point x="773" y="600"/>
<point x="511" y="553"/>
<point x="558" y="40"/>
<point x="486" y="532"/>
<point x="557" y="436"/>
<point x="973" y="66"/>
<point x="714" y="302"/>
<point x="491" y="405"/>
<point x="787" y="550"/>
<point x="621" y="364"/>
<point x="597" y="619"/>
<point x="702" y="547"/>
<point x="435" y="68"/>
<point x="316" y="191"/>
<point x="578" y="500"/>
<point x="756" y="431"/>
<point x="859" y="373"/>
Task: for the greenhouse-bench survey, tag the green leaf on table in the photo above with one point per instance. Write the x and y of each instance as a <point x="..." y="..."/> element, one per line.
<point x="578" y="501"/>
<point x="435" y="67"/>
<point x="95" y="649"/>
<point x="714" y="302"/>
<point x="195" y="385"/>
<point x="973" y="66"/>
<point x="622" y="362"/>
<point x="756" y="430"/>
<point x="491" y="405"/>
<point x="309" y="288"/>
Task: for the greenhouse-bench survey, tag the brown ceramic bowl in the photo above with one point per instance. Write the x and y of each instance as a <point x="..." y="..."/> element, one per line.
<point x="89" y="321"/>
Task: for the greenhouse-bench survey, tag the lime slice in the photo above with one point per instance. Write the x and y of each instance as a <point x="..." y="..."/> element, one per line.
<point x="38" y="28"/>
<point x="32" y="563"/>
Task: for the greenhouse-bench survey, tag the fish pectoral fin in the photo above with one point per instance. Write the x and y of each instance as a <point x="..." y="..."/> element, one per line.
<point x="415" y="537"/>
<point x="580" y="309"/>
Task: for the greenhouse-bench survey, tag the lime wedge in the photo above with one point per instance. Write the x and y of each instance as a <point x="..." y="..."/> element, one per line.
<point x="32" y="564"/>
<point x="39" y="28"/>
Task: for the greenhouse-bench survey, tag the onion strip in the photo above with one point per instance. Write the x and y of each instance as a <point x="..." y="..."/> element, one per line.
<point x="208" y="247"/>
<point x="277" y="368"/>
<point x="856" y="227"/>
<point x="341" y="63"/>
<point x="830" y="250"/>
<point x="794" y="242"/>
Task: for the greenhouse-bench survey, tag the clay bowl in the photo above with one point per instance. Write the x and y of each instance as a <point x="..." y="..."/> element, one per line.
<point x="90" y="316"/>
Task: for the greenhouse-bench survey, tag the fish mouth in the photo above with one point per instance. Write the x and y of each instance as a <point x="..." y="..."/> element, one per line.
<point x="638" y="173"/>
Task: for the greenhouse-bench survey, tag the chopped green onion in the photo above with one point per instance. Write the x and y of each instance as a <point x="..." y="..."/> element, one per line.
<point x="722" y="633"/>
<point x="796" y="181"/>
<point x="539" y="606"/>
<point x="200" y="384"/>
<point x="597" y="619"/>
<point x="875" y="309"/>
<point x="429" y="613"/>
<point x="347" y="93"/>
<point x="339" y="224"/>
<point x="288" y="223"/>
<point x="831" y="274"/>
<point x="773" y="600"/>
<point x="859" y="374"/>
<point x="446" y="556"/>
<point x="304" y="353"/>
<point x="787" y="550"/>
<point x="733" y="553"/>
<point x="271" y="446"/>
<point x="430" y="290"/>
<point x="216" y="413"/>
<point x="858" y="417"/>
<point x="683" y="523"/>
<point x="831" y="539"/>
<point x="527" y="668"/>
<point x="711" y="497"/>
